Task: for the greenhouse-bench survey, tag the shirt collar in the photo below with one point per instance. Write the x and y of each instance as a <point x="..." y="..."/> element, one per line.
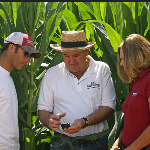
<point x="5" y="71"/>
<point x="140" y="75"/>
<point x="144" y="72"/>
<point x="92" y="65"/>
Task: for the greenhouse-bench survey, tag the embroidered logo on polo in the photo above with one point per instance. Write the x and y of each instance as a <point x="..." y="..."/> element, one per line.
<point x="93" y="85"/>
<point x="134" y="94"/>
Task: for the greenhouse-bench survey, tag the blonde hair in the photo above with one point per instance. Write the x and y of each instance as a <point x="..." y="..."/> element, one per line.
<point x="136" y="50"/>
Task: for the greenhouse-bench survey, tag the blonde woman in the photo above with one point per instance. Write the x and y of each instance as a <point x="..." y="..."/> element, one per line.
<point x="133" y="67"/>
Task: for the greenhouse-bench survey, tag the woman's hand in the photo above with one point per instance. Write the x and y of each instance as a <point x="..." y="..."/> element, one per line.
<point x="114" y="148"/>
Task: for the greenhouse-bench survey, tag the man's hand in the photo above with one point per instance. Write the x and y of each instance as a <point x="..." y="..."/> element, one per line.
<point x="54" y="121"/>
<point x="50" y="120"/>
<point x="75" y="127"/>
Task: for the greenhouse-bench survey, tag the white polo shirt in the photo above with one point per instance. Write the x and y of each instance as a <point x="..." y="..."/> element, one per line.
<point x="62" y="92"/>
<point x="9" y="131"/>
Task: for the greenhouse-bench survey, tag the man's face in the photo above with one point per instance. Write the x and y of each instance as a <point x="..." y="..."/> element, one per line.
<point x="19" y="59"/>
<point x="75" y="61"/>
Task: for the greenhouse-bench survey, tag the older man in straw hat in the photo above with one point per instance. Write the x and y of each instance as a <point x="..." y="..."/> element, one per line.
<point x="79" y="92"/>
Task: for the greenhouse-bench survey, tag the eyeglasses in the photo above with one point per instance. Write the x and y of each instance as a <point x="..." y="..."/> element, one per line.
<point x="27" y="54"/>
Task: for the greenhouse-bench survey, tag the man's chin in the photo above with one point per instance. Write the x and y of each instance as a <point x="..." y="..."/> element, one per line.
<point x="19" y="68"/>
<point x="73" y="71"/>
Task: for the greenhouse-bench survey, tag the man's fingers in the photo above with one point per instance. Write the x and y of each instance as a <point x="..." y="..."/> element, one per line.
<point x="62" y="115"/>
<point x="54" y="124"/>
<point x="58" y="116"/>
<point x="54" y="121"/>
<point x="54" y="127"/>
<point x="71" y="130"/>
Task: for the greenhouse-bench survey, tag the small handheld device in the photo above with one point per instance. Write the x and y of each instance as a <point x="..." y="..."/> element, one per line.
<point x="65" y="125"/>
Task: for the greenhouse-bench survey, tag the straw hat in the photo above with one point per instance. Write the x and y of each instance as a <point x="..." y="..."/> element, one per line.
<point x="72" y="41"/>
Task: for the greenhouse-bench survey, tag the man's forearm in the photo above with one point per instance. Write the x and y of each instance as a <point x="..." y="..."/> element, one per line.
<point x="44" y="117"/>
<point x="100" y="115"/>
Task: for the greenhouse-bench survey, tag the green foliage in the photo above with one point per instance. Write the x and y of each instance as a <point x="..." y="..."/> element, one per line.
<point x="107" y="23"/>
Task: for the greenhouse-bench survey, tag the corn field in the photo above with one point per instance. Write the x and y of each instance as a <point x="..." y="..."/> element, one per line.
<point x="107" y="23"/>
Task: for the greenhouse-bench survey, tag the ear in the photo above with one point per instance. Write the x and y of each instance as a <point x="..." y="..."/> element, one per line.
<point x="11" y="48"/>
<point x="87" y="52"/>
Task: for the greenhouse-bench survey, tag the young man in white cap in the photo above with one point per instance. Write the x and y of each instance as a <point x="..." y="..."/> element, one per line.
<point x="78" y="91"/>
<point x="16" y="52"/>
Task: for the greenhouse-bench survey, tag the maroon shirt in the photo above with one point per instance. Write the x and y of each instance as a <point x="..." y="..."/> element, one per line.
<point x="136" y="108"/>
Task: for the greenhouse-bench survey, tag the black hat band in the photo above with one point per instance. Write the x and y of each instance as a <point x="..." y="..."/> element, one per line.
<point x="73" y="44"/>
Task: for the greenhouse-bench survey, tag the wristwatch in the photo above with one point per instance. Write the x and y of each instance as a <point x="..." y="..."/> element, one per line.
<point x="86" y="122"/>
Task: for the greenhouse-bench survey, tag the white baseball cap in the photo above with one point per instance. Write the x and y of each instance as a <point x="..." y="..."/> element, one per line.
<point x="25" y="42"/>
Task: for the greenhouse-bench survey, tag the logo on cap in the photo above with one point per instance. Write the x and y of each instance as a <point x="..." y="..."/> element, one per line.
<point x="30" y="42"/>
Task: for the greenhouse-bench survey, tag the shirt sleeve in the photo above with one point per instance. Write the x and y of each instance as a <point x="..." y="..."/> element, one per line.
<point x="45" y="101"/>
<point x="108" y="91"/>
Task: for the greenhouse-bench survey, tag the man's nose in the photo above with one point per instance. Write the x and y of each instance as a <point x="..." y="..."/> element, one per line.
<point x="71" y="60"/>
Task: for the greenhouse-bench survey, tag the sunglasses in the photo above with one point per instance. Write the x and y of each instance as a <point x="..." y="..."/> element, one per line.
<point x="27" y="54"/>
